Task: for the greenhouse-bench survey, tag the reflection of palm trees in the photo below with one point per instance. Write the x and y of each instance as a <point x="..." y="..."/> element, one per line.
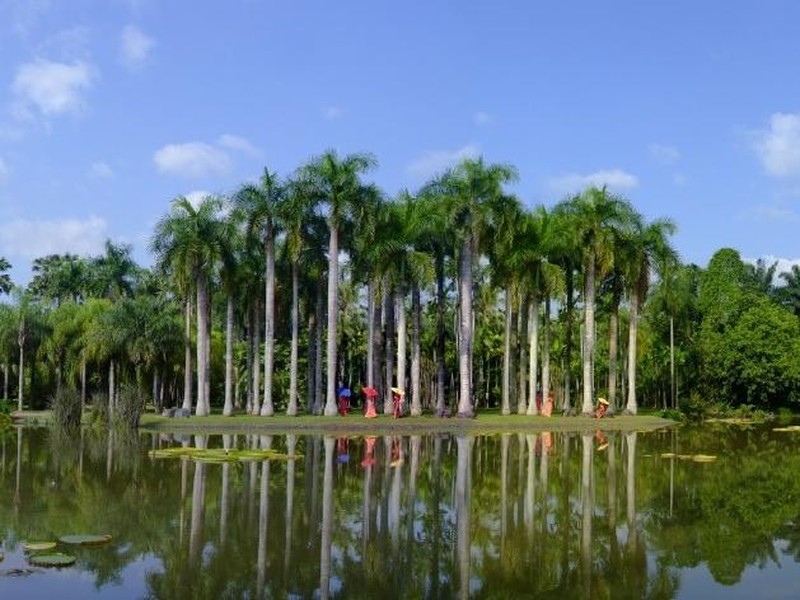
<point x="198" y="507"/>
<point x="587" y="506"/>
<point x="504" y="440"/>
<point x="224" y="494"/>
<point x="327" y="521"/>
<point x="291" y="445"/>
<point x="462" y="511"/>
<point x="263" y="520"/>
<point x="394" y="495"/>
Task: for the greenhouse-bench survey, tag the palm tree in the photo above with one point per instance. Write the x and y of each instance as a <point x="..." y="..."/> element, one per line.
<point x="790" y="293"/>
<point x="595" y="215"/>
<point x="113" y="275"/>
<point x="470" y="189"/>
<point x="190" y="241"/>
<point x="260" y="205"/>
<point x="649" y="247"/>
<point x="336" y="182"/>
<point x="296" y="213"/>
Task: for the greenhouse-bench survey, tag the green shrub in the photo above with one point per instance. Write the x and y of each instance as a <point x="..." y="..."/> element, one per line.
<point x="130" y="404"/>
<point x="99" y="414"/>
<point x="66" y="406"/>
<point x="7" y="407"/>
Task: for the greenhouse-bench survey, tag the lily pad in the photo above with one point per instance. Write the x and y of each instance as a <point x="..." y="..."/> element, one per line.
<point x="52" y="559"/>
<point x="85" y="539"/>
<point x="38" y="546"/>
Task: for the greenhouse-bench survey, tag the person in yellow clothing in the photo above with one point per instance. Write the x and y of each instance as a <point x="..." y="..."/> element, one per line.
<point x="602" y="408"/>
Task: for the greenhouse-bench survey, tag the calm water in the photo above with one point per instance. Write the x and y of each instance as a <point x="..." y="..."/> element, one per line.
<point x="550" y="515"/>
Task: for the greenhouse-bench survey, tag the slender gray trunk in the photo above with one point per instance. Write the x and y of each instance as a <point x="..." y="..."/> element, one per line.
<point x="588" y="335"/>
<point x="333" y="314"/>
<point x="613" y="336"/>
<point x="416" y="327"/>
<point x="522" y="373"/>
<point x="255" y="405"/>
<point x="533" y="357"/>
<point x="505" y="404"/>
<point x="388" y="311"/>
<point x="402" y="330"/>
<point x="187" y="359"/>
<point x="267" y="408"/>
<point x="440" y="334"/>
<point x="465" y="329"/>
<point x="291" y="408"/>
<point x="631" y="406"/>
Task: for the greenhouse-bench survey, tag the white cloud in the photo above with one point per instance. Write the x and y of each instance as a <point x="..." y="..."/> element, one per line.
<point x="666" y="155"/>
<point x="437" y="161"/>
<point x="235" y="142"/>
<point x="333" y="112"/>
<point x="574" y="182"/>
<point x="135" y="47"/>
<point x="3" y="170"/>
<point x="101" y="170"/>
<point x="784" y="266"/>
<point x="50" y="87"/>
<point x="778" y="146"/>
<point x="32" y="239"/>
<point x="481" y="118"/>
<point x="192" y="159"/>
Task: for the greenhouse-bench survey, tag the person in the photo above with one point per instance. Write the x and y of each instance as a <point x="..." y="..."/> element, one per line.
<point x="547" y="407"/>
<point x="370" y="393"/>
<point x="602" y="408"/>
<point x="397" y="402"/>
<point x="344" y="400"/>
<point x="539" y="402"/>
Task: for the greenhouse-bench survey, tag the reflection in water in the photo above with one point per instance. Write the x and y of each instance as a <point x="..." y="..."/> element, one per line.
<point x="535" y="514"/>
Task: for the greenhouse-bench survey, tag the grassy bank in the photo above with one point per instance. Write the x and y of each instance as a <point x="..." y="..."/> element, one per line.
<point x="485" y="422"/>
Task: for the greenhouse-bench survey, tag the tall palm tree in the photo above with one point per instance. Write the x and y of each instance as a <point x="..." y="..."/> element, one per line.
<point x="470" y="190"/>
<point x="260" y="205"/>
<point x="296" y="213"/>
<point x="595" y="213"/>
<point x="649" y="247"/>
<point x="336" y="182"/>
<point x="189" y="241"/>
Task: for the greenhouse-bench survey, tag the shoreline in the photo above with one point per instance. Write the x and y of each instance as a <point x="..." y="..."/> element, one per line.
<point x="356" y="424"/>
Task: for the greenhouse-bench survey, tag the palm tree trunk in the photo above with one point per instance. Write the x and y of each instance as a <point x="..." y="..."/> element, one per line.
<point x="416" y="327"/>
<point x="201" y="409"/>
<point x="402" y="329"/>
<point x="371" y="309"/>
<point x="505" y="406"/>
<point x="462" y="508"/>
<point x="631" y="406"/>
<point x="588" y="335"/>
<point x="228" y="408"/>
<point x="83" y="383"/>
<point x="440" y="334"/>
<point x="522" y="337"/>
<point x="333" y="314"/>
<point x="112" y="388"/>
<point x="546" y="352"/>
<point x="613" y="334"/>
<point x="187" y="361"/>
<point x="389" y="356"/>
<point x="465" y="329"/>
<point x="267" y="409"/>
<point x="21" y="376"/>
<point x="570" y="284"/>
<point x="291" y="408"/>
<point x="256" y="403"/>
<point x="327" y="521"/>
<point x="672" y="395"/>
<point x="533" y="357"/>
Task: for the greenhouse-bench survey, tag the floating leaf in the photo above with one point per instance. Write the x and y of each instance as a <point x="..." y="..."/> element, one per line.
<point x="51" y="559"/>
<point x="85" y="539"/>
<point x="789" y="428"/>
<point x="38" y="546"/>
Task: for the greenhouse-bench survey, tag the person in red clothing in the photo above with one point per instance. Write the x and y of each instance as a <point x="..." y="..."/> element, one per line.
<point x="397" y="402"/>
<point x="602" y="408"/>
<point x="370" y="393"/>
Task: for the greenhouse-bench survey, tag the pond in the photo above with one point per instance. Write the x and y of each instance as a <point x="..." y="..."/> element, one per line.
<point x="675" y="513"/>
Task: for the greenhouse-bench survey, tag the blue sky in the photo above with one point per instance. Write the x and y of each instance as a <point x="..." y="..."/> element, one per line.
<point x="111" y="108"/>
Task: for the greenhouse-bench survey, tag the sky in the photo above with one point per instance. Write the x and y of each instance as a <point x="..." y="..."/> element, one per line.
<point x="109" y="109"/>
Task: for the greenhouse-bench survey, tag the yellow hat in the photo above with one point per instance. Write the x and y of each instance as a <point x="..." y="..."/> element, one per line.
<point x="602" y="400"/>
<point x="398" y="391"/>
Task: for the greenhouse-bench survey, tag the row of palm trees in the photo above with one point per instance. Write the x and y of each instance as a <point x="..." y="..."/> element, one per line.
<point x="328" y="248"/>
<point x="463" y="218"/>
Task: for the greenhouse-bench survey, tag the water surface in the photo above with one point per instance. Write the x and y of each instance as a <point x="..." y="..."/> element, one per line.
<point x="679" y="513"/>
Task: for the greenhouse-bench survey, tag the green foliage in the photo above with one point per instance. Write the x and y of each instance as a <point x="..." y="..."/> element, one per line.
<point x="130" y="404"/>
<point x="99" y="415"/>
<point x="66" y="406"/>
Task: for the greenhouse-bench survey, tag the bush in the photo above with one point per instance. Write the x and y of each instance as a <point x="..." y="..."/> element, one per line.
<point x="130" y="406"/>
<point x="7" y="407"/>
<point x="66" y="406"/>
<point x="99" y="416"/>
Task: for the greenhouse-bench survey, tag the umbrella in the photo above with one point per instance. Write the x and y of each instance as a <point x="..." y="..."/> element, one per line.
<point x="398" y="391"/>
<point x="345" y="392"/>
<point x="370" y="392"/>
